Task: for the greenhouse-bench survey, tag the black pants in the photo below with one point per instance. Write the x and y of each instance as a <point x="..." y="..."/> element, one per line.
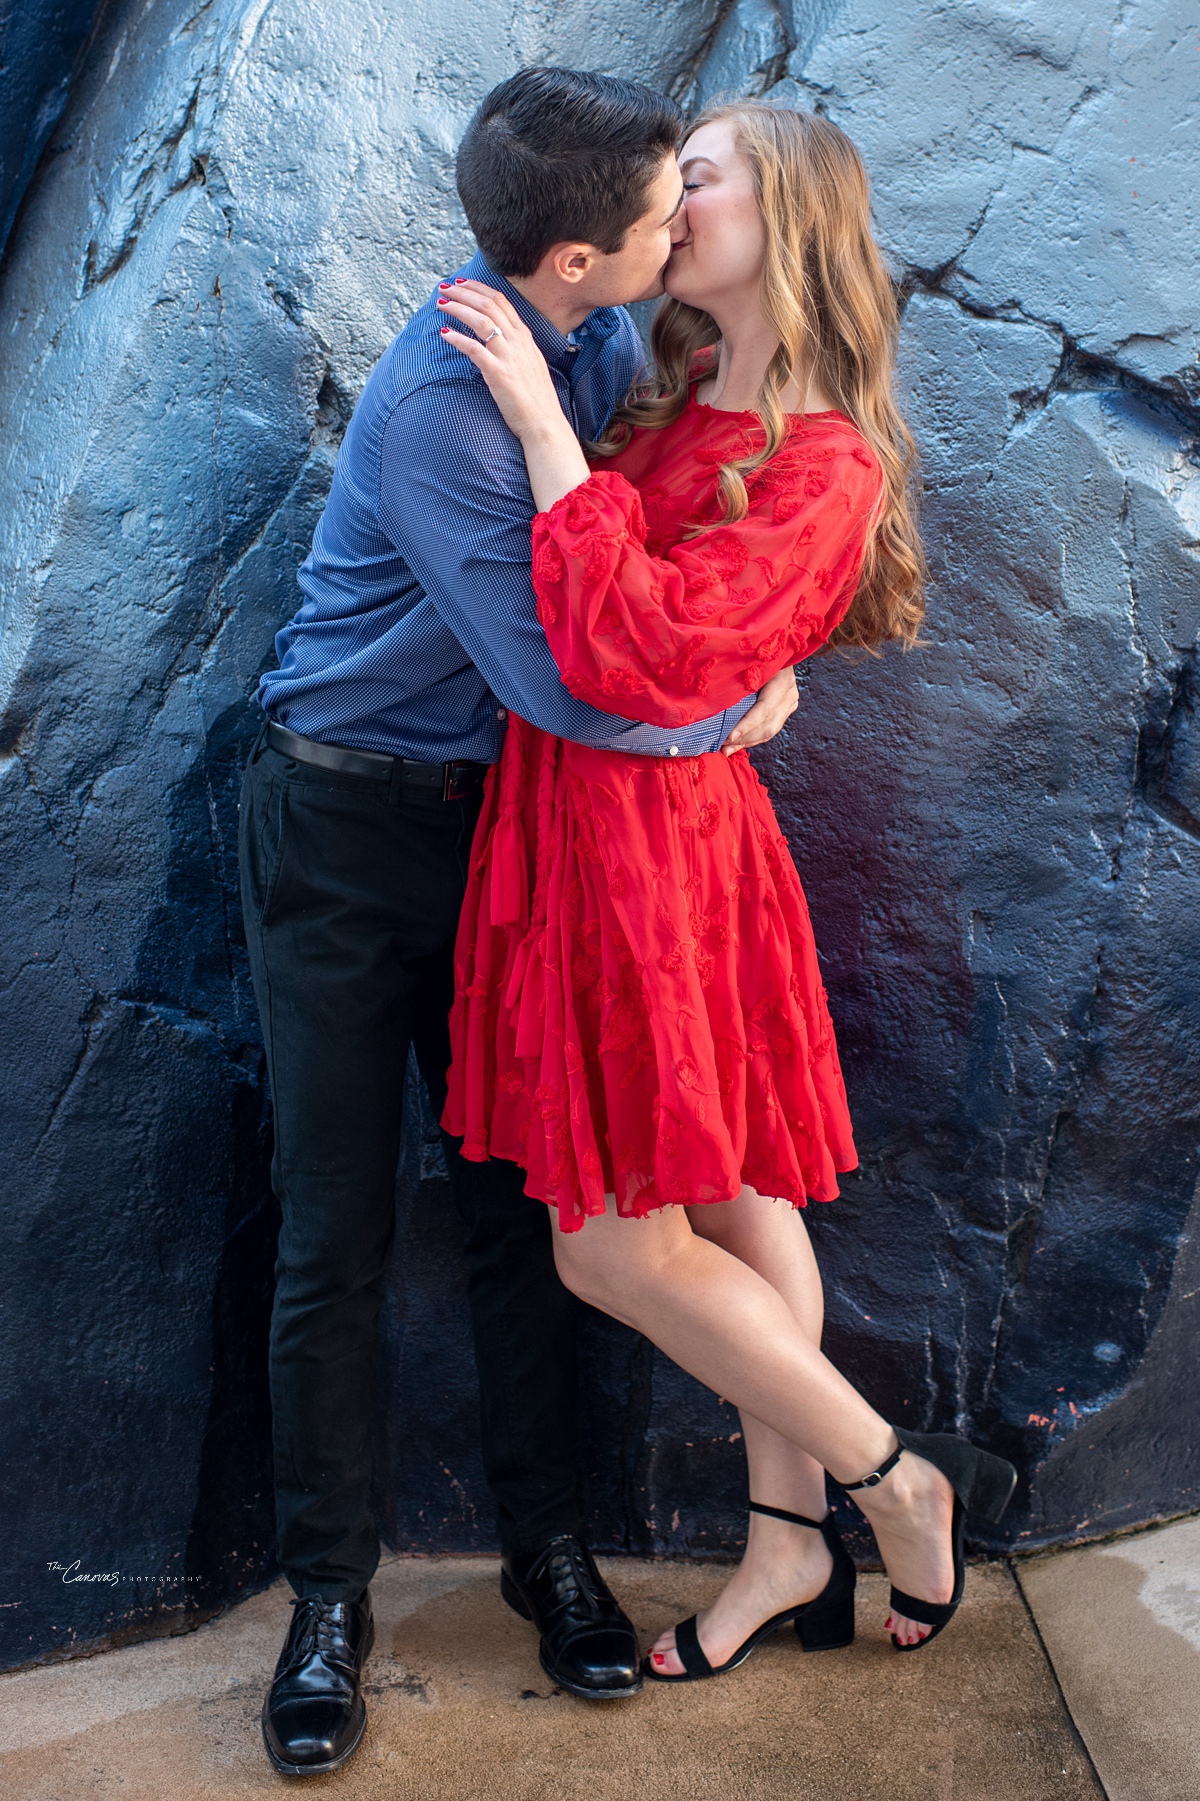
<point x="351" y="889"/>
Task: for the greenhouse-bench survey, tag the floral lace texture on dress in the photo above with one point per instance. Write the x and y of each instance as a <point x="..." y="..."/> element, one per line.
<point x="638" y="1005"/>
<point x="671" y="632"/>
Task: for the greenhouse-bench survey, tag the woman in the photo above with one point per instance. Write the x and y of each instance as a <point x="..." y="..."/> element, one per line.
<point x="639" y="1019"/>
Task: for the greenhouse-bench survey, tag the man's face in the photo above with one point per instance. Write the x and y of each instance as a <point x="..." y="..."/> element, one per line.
<point x="635" y="271"/>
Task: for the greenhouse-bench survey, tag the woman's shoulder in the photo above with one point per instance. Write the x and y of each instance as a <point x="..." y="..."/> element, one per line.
<point x="828" y="439"/>
<point x="829" y="431"/>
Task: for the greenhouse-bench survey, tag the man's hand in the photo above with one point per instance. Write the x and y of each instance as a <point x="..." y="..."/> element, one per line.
<point x="767" y="717"/>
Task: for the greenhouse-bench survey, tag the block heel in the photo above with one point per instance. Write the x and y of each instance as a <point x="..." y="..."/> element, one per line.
<point x="983" y="1482"/>
<point x="828" y="1628"/>
<point x="826" y="1623"/>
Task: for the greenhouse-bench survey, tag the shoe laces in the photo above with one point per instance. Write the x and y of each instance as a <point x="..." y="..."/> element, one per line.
<point x="318" y="1632"/>
<point x="583" y="1571"/>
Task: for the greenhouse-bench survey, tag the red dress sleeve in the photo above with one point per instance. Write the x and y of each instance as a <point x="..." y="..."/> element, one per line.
<point x="672" y="639"/>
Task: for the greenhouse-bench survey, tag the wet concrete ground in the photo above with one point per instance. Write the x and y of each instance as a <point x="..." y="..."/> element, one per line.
<point x="1121" y="1625"/>
<point x="460" y="1709"/>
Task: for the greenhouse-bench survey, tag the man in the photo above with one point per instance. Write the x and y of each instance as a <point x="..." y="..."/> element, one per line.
<point x="417" y="633"/>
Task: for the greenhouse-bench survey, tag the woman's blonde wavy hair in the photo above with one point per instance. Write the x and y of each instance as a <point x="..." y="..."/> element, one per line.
<point x="826" y="292"/>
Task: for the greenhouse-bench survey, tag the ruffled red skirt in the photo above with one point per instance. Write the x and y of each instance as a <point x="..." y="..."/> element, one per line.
<point x="638" y="1006"/>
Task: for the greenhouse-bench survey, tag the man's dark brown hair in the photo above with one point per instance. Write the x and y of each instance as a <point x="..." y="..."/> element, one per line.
<point x="560" y="155"/>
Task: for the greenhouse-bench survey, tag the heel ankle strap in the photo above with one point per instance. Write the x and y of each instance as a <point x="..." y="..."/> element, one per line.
<point x="781" y="1513"/>
<point x="877" y="1476"/>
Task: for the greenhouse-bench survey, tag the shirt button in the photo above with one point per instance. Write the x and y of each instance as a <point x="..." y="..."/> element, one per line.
<point x="674" y="750"/>
<point x="501" y="713"/>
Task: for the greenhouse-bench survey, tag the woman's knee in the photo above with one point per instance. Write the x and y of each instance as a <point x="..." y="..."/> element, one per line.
<point x="770" y="1237"/>
<point x="617" y="1264"/>
<point x="587" y="1268"/>
<point x="571" y="1266"/>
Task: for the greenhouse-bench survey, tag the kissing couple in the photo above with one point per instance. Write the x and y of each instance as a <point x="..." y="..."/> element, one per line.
<point x="500" y="810"/>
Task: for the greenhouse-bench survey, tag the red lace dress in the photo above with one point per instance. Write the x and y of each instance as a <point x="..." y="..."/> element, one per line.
<point x="638" y="1006"/>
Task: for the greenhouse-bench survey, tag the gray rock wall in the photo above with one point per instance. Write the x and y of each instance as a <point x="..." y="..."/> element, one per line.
<point x="242" y="205"/>
<point x="40" y="46"/>
<point x="1007" y="895"/>
<point x="997" y="833"/>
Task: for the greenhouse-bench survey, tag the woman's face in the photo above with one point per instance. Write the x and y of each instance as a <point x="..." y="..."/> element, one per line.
<point x="719" y="240"/>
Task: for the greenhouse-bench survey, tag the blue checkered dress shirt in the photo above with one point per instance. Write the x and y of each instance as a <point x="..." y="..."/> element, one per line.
<point x="418" y="628"/>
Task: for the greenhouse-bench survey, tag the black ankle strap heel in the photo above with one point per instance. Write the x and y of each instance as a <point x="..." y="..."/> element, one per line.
<point x="982" y="1483"/>
<point x="826" y="1623"/>
<point x="793" y="1519"/>
<point x="876" y="1476"/>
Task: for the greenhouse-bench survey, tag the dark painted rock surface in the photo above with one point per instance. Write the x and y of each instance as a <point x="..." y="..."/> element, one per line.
<point x="997" y="833"/>
<point x="40" y="43"/>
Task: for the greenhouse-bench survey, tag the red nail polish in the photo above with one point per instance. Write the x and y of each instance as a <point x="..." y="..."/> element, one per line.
<point x="442" y="301"/>
<point x="443" y="284"/>
<point x="459" y="280"/>
<point x="445" y="330"/>
<point x="659" y="1658"/>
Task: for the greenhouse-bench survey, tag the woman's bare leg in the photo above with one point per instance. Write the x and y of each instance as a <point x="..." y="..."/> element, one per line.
<point x="729" y="1326"/>
<point x="783" y="1564"/>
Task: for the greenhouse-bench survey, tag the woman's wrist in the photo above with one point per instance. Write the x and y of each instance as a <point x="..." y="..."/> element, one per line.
<point x="556" y="465"/>
<point x="545" y="435"/>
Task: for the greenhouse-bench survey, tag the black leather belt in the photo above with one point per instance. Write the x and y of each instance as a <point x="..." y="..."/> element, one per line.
<point x="452" y="780"/>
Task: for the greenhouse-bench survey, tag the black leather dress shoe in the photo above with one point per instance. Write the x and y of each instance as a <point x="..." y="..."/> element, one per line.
<point x="589" y="1646"/>
<point x="314" y="1716"/>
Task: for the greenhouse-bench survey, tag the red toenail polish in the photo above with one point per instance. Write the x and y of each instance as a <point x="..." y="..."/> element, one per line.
<point x="659" y="1658"/>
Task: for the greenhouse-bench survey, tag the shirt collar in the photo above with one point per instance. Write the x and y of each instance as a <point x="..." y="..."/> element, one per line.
<point x="558" y="352"/>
